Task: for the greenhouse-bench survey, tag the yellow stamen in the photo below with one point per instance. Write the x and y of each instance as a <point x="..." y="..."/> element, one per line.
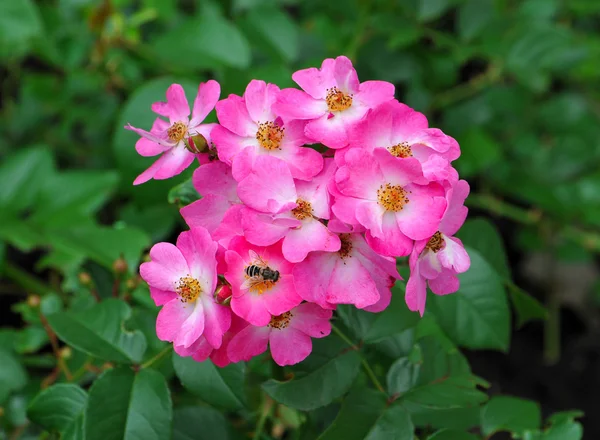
<point x="435" y="243"/>
<point x="269" y="135"/>
<point x="337" y="100"/>
<point x="346" y="247"/>
<point x="177" y="131"/>
<point x="280" y="322"/>
<point x="401" y="150"/>
<point x="392" y="197"/>
<point x="188" y="289"/>
<point x="303" y="210"/>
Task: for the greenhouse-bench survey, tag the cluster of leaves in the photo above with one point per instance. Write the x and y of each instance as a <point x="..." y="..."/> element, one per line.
<point x="515" y="82"/>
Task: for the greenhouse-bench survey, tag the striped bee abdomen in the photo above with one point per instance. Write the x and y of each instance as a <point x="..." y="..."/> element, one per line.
<point x="253" y="271"/>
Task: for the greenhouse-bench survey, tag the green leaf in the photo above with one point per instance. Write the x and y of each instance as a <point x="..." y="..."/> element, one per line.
<point x="477" y="316"/>
<point x="198" y="43"/>
<point x="373" y="327"/>
<point x="124" y="405"/>
<point x="221" y="387"/>
<point x="319" y="387"/>
<point x="479" y="151"/>
<point x="565" y="416"/>
<point x="402" y="376"/>
<point x="564" y="431"/>
<point x="99" y="331"/>
<point x="483" y="236"/>
<point x="30" y="339"/>
<point x="366" y="416"/>
<point x="450" y="418"/>
<point x="58" y="407"/>
<point x="473" y="17"/>
<point x="24" y="173"/>
<point x="527" y="307"/>
<point x="450" y="392"/>
<point x="19" y="25"/>
<point x="12" y="375"/>
<point x="183" y="194"/>
<point x="200" y="423"/>
<point x="2" y="256"/>
<point x="450" y="434"/>
<point x="431" y="9"/>
<point x="503" y="413"/>
<point x="278" y="29"/>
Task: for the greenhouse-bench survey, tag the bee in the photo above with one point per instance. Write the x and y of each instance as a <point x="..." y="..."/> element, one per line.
<point x="260" y="276"/>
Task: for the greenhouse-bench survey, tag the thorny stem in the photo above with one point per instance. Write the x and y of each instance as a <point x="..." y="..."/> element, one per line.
<point x="158" y="357"/>
<point x="364" y="362"/>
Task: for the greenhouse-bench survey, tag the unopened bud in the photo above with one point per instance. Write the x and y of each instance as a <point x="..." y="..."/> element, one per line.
<point x="85" y="278"/>
<point x="1" y="411"/>
<point x="107" y="366"/>
<point x="120" y="266"/>
<point x="132" y="283"/>
<point x="223" y="294"/>
<point x="66" y="352"/>
<point x="33" y="301"/>
<point x="196" y="144"/>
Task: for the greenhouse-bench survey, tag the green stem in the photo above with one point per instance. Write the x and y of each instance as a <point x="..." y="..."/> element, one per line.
<point x="468" y="89"/>
<point x="26" y="280"/>
<point x="364" y="362"/>
<point x="265" y="412"/>
<point x="158" y="357"/>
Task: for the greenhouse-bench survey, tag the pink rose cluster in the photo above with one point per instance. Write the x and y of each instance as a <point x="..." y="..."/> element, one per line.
<point x="307" y="198"/>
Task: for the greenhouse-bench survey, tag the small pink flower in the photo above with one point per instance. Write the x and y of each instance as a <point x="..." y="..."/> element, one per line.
<point x="437" y="260"/>
<point x="290" y="210"/>
<point x="182" y="279"/>
<point x="378" y="191"/>
<point x="288" y="335"/>
<point x="261" y="281"/>
<point x="333" y="100"/>
<point x="201" y="350"/>
<point x="353" y="275"/>
<point x="404" y="133"/>
<point x="179" y="140"/>
<point x="249" y="128"/>
<point x="218" y="189"/>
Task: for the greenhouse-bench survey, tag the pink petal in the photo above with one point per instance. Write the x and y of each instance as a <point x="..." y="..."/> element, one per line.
<point x="229" y="144"/>
<point x="289" y="346"/>
<point x="330" y="131"/>
<point x="420" y="218"/>
<point x="173" y="162"/>
<point x="248" y="343"/>
<point x="304" y="163"/>
<point x="161" y="297"/>
<point x="176" y="108"/>
<point x="361" y="177"/>
<point x="166" y="266"/>
<point x="345" y="75"/>
<point x="373" y="93"/>
<point x="215" y="178"/>
<point x="416" y="291"/>
<point x="351" y="283"/>
<point x="233" y="115"/>
<point x="312" y="320"/>
<point x="231" y="225"/>
<point x="172" y="317"/>
<point x="199" y="250"/>
<point x="311" y="236"/>
<point x="146" y="147"/>
<point x="345" y="208"/>
<point x="270" y="186"/>
<point x="375" y="130"/>
<point x="316" y="81"/>
<point x="282" y="297"/>
<point x="296" y="104"/>
<point x="250" y="306"/>
<point x="147" y="174"/>
<point x="159" y="138"/>
<point x="259" y="97"/>
<point x="261" y="229"/>
<point x="397" y="171"/>
<point x="217" y="320"/>
<point x="199" y="349"/>
<point x="312" y="276"/>
<point x="208" y="212"/>
<point x="454" y="256"/>
<point x="456" y="212"/>
<point x="446" y="283"/>
<point x="372" y="217"/>
<point x="206" y="99"/>
<point x="315" y="191"/>
<point x="393" y="242"/>
<point x="407" y="123"/>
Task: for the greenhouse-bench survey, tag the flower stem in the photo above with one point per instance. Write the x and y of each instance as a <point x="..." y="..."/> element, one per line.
<point x="158" y="357"/>
<point x="265" y="412"/>
<point x="364" y="362"/>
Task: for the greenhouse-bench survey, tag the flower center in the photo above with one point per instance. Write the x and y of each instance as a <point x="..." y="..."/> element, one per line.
<point x="337" y="100"/>
<point x="346" y="246"/>
<point x="269" y="135"/>
<point x="303" y="210"/>
<point x="177" y="131"/>
<point x="392" y="197"/>
<point x="401" y="150"/>
<point x="188" y="289"/>
<point x="435" y="243"/>
<point x="281" y="321"/>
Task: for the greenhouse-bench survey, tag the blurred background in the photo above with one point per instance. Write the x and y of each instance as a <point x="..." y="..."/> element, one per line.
<point x="517" y="83"/>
